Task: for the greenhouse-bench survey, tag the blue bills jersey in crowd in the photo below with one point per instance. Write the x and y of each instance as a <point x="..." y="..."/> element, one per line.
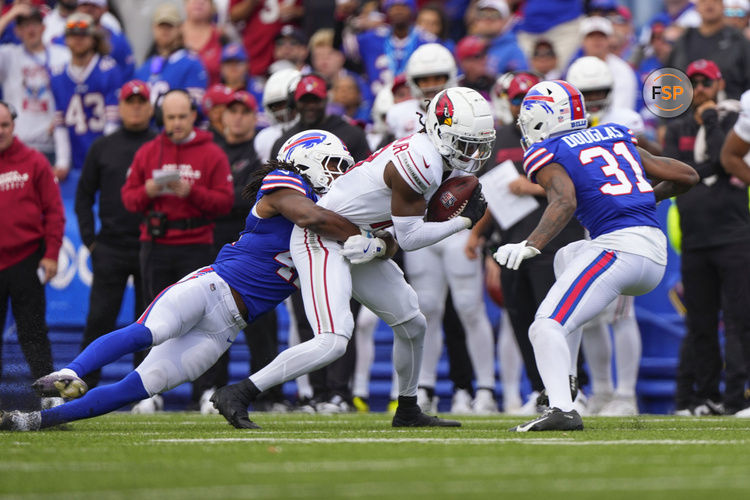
<point x="611" y="188"/>
<point x="86" y="103"/>
<point x="258" y="265"/>
<point x="181" y="70"/>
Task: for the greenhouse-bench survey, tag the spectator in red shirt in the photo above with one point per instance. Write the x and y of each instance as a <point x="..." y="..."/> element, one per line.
<point x="260" y="21"/>
<point x="33" y="223"/>
<point x="180" y="181"/>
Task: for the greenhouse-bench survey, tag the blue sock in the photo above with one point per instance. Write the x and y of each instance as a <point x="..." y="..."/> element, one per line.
<point x="111" y="347"/>
<point x="97" y="401"/>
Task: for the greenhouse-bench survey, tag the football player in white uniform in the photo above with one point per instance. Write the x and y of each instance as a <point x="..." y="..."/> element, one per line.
<point x="392" y="187"/>
<point x="278" y="108"/>
<point x="435" y="269"/>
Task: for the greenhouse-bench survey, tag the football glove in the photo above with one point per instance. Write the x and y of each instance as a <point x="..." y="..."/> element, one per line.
<point x="512" y="254"/>
<point x="475" y="207"/>
<point x="360" y="248"/>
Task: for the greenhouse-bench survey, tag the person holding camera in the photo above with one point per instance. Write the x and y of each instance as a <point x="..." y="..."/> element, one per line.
<point x="179" y="181"/>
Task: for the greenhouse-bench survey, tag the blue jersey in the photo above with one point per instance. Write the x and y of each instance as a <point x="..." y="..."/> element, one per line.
<point x="258" y="265"/>
<point x="181" y="70"/>
<point x="611" y="188"/>
<point x="85" y="106"/>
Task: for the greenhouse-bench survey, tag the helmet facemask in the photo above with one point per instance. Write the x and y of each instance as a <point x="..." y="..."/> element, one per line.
<point x="467" y="153"/>
<point x="324" y="169"/>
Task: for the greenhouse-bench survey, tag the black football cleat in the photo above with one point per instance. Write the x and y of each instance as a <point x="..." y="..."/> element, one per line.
<point x="60" y="384"/>
<point x="553" y="419"/>
<point x="230" y="402"/>
<point x="408" y="414"/>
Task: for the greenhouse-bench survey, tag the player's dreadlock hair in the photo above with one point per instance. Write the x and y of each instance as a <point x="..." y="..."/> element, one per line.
<point x="250" y="191"/>
<point x="421" y="118"/>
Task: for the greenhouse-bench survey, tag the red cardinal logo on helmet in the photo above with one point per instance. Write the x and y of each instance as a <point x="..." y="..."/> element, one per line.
<point x="444" y="110"/>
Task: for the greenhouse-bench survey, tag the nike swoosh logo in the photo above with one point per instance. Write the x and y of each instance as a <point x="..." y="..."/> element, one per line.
<point x="527" y="426"/>
<point x="368" y="247"/>
<point x="229" y="339"/>
<point x="425" y="163"/>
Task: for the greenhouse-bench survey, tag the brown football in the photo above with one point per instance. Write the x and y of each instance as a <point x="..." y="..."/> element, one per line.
<point x="451" y="198"/>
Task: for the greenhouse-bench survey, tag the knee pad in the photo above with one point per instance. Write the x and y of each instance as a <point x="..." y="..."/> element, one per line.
<point x="541" y="327"/>
<point x="332" y="346"/>
<point x="411" y="329"/>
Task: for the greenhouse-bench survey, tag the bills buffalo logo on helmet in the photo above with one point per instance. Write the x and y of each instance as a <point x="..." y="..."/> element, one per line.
<point x="305" y="142"/>
<point x="444" y="110"/>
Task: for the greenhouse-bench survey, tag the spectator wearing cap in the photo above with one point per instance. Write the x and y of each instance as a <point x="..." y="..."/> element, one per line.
<point x="239" y="120"/>
<point x="54" y="21"/>
<point x="737" y="15"/>
<point x="201" y="35"/>
<point x="31" y="95"/>
<point x="85" y="93"/>
<point x="489" y="20"/>
<point x="215" y="101"/>
<point x="114" y="248"/>
<point x="290" y="50"/>
<point x="235" y="72"/>
<point x="525" y="288"/>
<point x="471" y="54"/>
<point x="328" y="61"/>
<point x="383" y="51"/>
<point x="171" y="66"/>
<point x="596" y="32"/>
<point x="557" y="22"/>
<point x="724" y="45"/>
<point x="119" y="45"/>
<point x="311" y="98"/>
<point x="622" y="42"/>
<point x="33" y="223"/>
<point x="259" y="21"/>
<point x="715" y="251"/>
<point x="544" y="60"/>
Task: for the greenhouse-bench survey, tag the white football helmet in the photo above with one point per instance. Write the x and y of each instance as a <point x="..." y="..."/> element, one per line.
<point x="591" y="74"/>
<point x="499" y="98"/>
<point x="277" y="89"/>
<point x="428" y="60"/>
<point x="549" y="108"/>
<point x="460" y="125"/>
<point x="319" y="156"/>
<point x="383" y="102"/>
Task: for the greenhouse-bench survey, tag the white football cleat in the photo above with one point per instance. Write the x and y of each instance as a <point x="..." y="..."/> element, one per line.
<point x="530" y="407"/>
<point x="461" y="403"/>
<point x="206" y="406"/>
<point x="620" y="406"/>
<point x="425" y="403"/>
<point x="484" y="403"/>
<point x="20" y="421"/>
<point x="147" y="406"/>
<point x="597" y="401"/>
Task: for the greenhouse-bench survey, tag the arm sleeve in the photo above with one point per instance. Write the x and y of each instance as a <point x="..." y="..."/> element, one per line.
<point x="742" y="125"/>
<point x="52" y="209"/>
<point x="413" y="232"/>
<point x="85" y="195"/>
<point x="62" y="145"/>
<point x="534" y="159"/>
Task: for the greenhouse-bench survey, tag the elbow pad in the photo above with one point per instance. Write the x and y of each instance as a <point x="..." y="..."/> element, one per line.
<point x="413" y="233"/>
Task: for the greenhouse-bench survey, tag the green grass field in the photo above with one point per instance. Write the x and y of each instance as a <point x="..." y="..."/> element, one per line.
<point x="189" y="456"/>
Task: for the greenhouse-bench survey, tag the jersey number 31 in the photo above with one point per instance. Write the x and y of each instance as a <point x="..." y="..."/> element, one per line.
<point x="612" y="168"/>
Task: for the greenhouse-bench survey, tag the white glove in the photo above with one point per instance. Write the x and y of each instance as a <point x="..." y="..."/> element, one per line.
<point x="512" y="254"/>
<point x="360" y="249"/>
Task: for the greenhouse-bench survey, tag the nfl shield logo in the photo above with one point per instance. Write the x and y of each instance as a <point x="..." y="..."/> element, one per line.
<point x="447" y="199"/>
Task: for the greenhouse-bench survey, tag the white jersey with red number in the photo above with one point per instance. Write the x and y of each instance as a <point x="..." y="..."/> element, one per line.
<point x="362" y="196"/>
<point x="403" y="118"/>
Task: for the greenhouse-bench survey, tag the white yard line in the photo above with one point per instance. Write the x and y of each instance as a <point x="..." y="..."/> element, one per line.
<point x="459" y="441"/>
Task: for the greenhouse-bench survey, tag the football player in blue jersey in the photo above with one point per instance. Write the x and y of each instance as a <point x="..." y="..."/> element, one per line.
<point x="192" y="322"/>
<point x="600" y="175"/>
